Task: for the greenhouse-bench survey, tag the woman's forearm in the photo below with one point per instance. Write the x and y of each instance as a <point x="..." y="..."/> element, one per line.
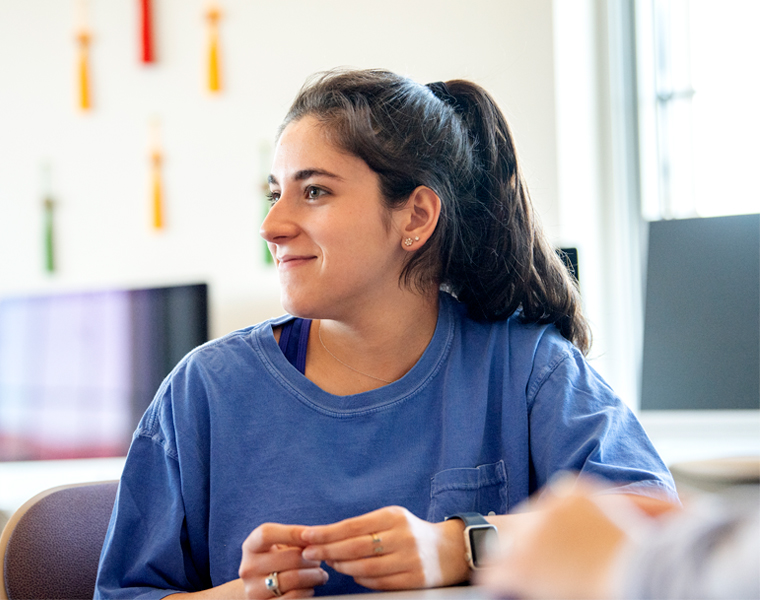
<point x="232" y="590"/>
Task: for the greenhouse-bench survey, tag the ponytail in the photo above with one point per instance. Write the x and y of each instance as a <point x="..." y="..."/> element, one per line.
<point x="502" y="261"/>
<point x="488" y="249"/>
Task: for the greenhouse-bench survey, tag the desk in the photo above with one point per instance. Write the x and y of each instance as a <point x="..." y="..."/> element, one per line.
<point x="464" y="592"/>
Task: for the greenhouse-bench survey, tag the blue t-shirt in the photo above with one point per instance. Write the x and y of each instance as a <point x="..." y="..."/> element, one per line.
<point x="236" y="437"/>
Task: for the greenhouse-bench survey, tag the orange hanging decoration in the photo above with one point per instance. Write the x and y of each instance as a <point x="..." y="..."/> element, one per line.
<point x="213" y="14"/>
<point x="156" y="185"/>
<point x="83" y="38"/>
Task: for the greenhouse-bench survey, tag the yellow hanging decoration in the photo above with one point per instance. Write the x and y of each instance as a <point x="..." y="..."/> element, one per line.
<point x="83" y="38"/>
<point x="213" y="14"/>
<point x="156" y="185"/>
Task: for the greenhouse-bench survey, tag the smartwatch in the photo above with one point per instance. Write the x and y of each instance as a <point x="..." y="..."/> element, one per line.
<point x="480" y="538"/>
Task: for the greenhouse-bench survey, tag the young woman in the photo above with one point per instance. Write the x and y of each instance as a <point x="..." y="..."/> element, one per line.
<point x="431" y="364"/>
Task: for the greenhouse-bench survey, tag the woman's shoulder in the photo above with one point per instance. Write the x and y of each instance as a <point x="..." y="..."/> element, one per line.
<point x="513" y="332"/>
<point x="223" y="361"/>
<point x="529" y="352"/>
<point x="240" y="340"/>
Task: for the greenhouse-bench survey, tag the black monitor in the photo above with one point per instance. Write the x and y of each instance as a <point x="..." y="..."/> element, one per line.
<point x="702" y="321"/>
<point x="77" y="370"/>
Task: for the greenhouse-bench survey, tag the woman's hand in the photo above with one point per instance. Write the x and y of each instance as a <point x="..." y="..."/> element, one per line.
<point x="390" y="549"/>
<point x="274" y="548"/>
<point x="568" y="544"/>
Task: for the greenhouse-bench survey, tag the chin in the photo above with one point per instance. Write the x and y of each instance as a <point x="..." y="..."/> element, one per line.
<point x="297" y="307"/>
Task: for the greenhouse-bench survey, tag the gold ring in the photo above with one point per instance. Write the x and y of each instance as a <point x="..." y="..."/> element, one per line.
<point x="375" y="538"/>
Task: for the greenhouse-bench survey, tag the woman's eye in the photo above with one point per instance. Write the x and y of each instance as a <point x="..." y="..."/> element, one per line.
<point x="313" y="193"/>
<point x="273" y="197"/>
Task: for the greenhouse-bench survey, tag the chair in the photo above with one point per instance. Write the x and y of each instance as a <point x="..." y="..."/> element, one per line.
<point x="50" y="547"/>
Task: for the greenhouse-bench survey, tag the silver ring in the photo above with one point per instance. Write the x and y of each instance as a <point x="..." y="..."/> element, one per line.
<point x="273" y="584"/>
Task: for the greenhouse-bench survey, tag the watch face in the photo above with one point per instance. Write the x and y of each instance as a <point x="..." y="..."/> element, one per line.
<point x="483" y="543"/>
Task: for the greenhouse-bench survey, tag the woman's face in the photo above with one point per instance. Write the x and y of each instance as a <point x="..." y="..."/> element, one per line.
<point x="335" y="246"/>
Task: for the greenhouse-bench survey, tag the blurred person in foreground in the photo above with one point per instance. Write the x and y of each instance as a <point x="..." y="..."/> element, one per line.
<point x="580" y="542"/>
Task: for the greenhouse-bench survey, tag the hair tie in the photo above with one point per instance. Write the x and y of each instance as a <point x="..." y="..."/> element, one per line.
<point x="441" y="91"/>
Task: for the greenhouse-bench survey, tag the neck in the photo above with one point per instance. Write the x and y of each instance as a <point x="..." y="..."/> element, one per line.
<point x="359" y="354"/>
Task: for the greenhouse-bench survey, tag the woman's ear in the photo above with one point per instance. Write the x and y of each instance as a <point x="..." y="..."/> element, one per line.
<point x="419" y="217"/>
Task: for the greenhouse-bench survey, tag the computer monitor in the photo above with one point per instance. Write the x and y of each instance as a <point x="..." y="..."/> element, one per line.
<point x="702" y="317"/>
<point x="77" y="370"/>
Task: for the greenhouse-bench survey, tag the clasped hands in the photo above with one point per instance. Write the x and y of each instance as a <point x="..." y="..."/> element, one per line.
<point x="386" y="549"/>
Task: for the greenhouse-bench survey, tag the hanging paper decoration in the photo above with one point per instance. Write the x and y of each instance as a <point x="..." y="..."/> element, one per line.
<point x="48" y="208"/>
<point x="213" y="14"/>
<point x="83" y="38"/>
<point x="268" y="258"/>
<point x="156" y="185"/>
<point x="49" y="235"/>
<point x="265" y="163"/>
<point x="147" y="54"/>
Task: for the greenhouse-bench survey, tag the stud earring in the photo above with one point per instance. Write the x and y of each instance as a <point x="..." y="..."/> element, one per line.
<point x="408" y="241"/>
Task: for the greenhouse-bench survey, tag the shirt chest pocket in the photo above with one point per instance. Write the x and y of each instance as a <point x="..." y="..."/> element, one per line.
<point x="479" y="489"/>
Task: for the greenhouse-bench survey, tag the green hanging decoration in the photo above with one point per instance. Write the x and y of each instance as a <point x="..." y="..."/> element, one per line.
<point x="48" y="212"/>
<point x="265" y="160"/>
<point x="49" y="236"/>
<point x="268" y="258"/>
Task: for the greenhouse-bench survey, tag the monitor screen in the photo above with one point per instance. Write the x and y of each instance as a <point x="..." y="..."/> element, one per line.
<point x="702" y="321"/>
<point x="77" y="370"/>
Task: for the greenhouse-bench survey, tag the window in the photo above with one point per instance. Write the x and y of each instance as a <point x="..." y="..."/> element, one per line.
<point x="699" y="93"/>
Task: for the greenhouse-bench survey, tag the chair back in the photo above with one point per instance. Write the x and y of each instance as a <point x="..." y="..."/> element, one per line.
<point x="51" y="546"/>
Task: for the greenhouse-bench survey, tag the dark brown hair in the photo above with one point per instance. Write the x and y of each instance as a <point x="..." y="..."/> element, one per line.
<point x="488" y="249"/>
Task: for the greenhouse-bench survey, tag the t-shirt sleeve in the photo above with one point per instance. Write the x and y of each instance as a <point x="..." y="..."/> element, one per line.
<point x="577" y="423"/>
<point x="146" y="553"/>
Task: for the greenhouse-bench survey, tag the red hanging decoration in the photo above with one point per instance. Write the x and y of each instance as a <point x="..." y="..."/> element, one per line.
<point x="147" y="53"/>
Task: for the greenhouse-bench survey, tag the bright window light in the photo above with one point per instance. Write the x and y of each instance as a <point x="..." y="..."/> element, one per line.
<point x="699" y="92"/>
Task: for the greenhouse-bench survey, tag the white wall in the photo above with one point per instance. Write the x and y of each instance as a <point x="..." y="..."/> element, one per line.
<point x="214" y="163"/>
<point x="544" y="62"/>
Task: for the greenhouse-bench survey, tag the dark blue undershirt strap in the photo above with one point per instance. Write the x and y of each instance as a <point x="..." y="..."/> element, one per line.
<point x="294" y="339"/>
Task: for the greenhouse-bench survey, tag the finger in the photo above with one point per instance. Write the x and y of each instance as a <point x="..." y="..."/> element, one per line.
<point x="283" y="560"/>
<point x="380" y="566"/>
<point x="302" y="579"/>
<point x="307" y="593"/>
<point x="267" y="535"/>
<point x="297" y="583"/>
<point x="365" y="545"/>
<point x="254" y="566"/>
<point x="378" y="520"/>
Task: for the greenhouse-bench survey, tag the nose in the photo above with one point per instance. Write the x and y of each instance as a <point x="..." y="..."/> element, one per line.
<point x="278" y="225"/>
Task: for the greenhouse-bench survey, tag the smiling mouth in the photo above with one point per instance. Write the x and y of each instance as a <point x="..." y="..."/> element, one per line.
<point x="293" y="261"/>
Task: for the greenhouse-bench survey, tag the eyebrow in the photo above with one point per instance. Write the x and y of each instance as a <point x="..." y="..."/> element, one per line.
<point x="306" y="174"/>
